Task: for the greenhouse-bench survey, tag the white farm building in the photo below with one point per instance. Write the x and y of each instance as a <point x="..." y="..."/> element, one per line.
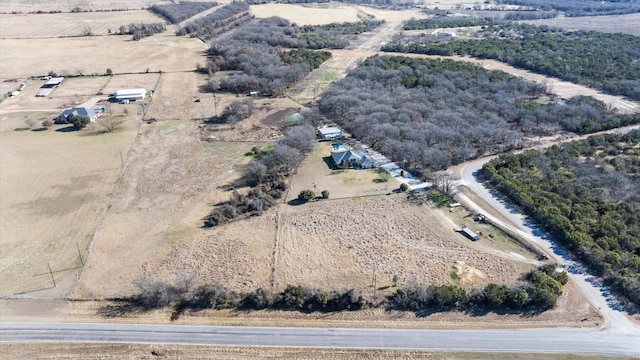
<point x="329" y="133"/>
<point x="128" y="94"/>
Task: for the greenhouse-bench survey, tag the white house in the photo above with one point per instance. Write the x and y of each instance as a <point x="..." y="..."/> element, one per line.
<point x="128" y="94"/>
<point x="330" y="133"/>
<point x="63" y="118"/>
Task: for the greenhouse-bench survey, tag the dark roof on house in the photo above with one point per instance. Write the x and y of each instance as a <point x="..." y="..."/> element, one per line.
<point x="79" y="111"/>
<point x="358" y="155"/>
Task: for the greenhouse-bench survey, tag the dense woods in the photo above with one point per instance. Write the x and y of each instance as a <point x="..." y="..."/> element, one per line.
<point x="256" y="50"/>
<point x="586" y="195"/>
<point x="304" y="56"/>
<point x="431" y="113"/>
<point x="581" y="7"/>
<point x="445" y="22"/>
<point x="217" y="22"/>
<point x="334" y="35"/>
<point x="183" y="10"/>
<point x="607" y="61"/>
<point x="538" y="293"/>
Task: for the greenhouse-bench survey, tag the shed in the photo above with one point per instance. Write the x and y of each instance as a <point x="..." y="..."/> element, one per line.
<point x="330" y="133"/>
<point x="53" y="82"/>
<point x="44" y="92"/>
<point x="128" y="94"/>
<point x="470" y="234"/>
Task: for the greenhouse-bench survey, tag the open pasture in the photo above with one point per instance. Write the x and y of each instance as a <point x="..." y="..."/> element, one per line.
<point x="131" y="81"/>
<point x="628" y="24"/>
<point x="9" y="6"/>
<point x="84" y="86"/>
<point x="308" y="14"/>
<point x="34" y="26"/>
<point x="180" y="96"/>
<point x="54" y="187"/>
<point x="95" y="54"/>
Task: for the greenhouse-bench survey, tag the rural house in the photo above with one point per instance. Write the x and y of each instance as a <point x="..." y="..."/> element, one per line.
<point x="345" y="157"/>
<point x="77" y="111"/>
<point x="329" y="133"/>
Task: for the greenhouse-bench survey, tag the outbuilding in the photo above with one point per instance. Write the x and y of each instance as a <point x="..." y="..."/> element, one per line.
<point x="128" y="94"/>
<point x="470" y="234"/>
<point x="330" y="133"/>
<point x="53" y="82"/>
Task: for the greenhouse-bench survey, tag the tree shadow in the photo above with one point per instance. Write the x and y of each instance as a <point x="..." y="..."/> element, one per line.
<point x="296" y="202"/>
<point x="483" y="311"/>
<point x="67" y="129"/>
<point x="121" y="307"/>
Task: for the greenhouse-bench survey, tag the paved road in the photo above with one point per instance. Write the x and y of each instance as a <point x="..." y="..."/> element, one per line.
<point x="533" y="340"/>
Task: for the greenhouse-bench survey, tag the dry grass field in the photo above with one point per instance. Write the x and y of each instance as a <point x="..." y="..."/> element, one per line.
<point x="33" y="26"/>
<point x="337" y="244"/>
<point x="54" y="188"/>
<point x="628" y="24"/>
<point x="308" y="14"/>
<point x="140" y="351"/>
<point x="94" y="54"/>
<point x="170" y="179"/>
<point x="27" y="6"/>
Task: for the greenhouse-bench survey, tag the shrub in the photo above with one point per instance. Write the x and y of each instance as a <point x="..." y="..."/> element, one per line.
<point x="306" y="196"/>
<point x="79" y="121"/>
<point x="325" y="194"/>
<point x="47" y="124"/>
<point x="404" y="187"/>
<point x="153" y="293"/>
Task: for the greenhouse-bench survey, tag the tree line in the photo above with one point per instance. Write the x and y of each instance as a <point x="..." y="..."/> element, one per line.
<point x="140" y="30"/>
<point x="183" y="10"/>
<point x="266" y="176"/>
<point x="586" y="195"/>
<point x="445" y="22"/>
<point x="219" y="21"/>
<point x="581" y="7"/>
<point x="538" y="293"/>
<point x="605" y="61"/>
<point x="431" y="114"/>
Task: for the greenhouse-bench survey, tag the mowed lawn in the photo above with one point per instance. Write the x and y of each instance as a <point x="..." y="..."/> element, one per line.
<point x="54" y="187"/>
<point x="315" y="174"/>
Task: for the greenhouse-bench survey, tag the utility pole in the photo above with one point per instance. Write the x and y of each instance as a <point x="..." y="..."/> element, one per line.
<point x="375" y="283"/>
<point x="80" y="254"/>
<point x="215" y="104"/>
<point x="51" y="272"/>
